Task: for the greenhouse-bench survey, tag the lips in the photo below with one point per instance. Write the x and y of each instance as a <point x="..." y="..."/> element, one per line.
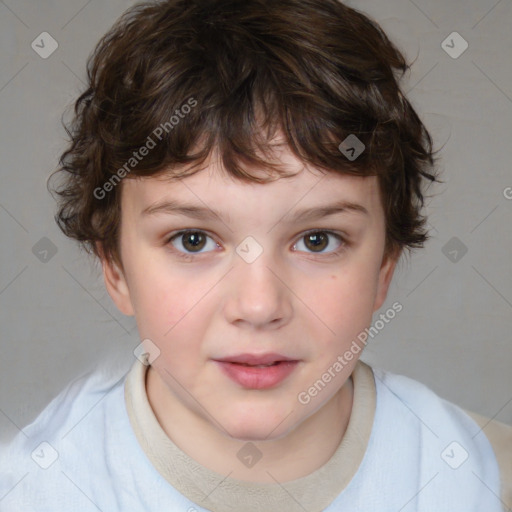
<point x="267" y="359"/>
<point x="257" y="371"/>
<point x="257" y="377"/>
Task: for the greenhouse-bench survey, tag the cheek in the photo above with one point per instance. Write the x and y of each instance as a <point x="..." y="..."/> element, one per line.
<point x="343" y="302"/>
<point x="174" y="314"/>
<point x="161" y="303"/>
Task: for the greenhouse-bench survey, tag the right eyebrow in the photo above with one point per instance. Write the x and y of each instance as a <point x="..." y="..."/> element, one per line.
<point x="171" y="207"/>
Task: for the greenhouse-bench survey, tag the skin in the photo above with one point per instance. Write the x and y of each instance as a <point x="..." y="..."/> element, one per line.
<point x="292" y="300"/>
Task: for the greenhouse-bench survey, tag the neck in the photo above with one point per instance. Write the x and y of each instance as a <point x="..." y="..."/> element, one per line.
<point x="286" y="458"/>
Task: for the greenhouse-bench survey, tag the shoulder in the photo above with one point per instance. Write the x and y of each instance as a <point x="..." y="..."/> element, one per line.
<point x="78" y="397"/>
<point x="439" y="443"/>
<point x="500" y="437"/>
<point x="71" y="426"/>
<point x="426" y="408"/>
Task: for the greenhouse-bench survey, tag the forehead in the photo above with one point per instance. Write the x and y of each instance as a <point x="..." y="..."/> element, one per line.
<point x="216" y="191"/>
<point x="214" y="188"/>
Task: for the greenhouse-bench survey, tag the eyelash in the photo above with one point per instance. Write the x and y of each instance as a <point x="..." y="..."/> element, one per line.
<point x="191" y="256"/>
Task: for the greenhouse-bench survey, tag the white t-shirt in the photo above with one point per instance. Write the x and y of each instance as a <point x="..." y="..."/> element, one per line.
<point x="98" y="446"/>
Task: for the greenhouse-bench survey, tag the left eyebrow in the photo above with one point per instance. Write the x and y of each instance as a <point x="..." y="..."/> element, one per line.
<point x="171" y="207"/>
<point x="319" y="212"/>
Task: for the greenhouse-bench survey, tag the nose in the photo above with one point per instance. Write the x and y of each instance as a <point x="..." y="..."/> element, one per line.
<point x="257" y="295"/>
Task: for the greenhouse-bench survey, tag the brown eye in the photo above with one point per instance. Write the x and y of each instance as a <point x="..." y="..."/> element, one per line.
<point x="192" y="242"/>
<point x="319" y="241"/>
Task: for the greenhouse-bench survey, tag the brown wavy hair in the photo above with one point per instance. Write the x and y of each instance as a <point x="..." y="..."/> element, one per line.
<point x="314" y="71"/>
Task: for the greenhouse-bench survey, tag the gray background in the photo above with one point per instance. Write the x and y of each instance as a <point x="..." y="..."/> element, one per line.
<point x="455" y="330"/>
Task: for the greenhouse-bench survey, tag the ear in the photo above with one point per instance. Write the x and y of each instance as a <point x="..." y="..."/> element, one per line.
<point x="116" y="284"/>
<point x="386" y="272"/>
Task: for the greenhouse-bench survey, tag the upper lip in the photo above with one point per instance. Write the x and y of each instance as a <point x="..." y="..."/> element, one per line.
<point x="255" y="359"/>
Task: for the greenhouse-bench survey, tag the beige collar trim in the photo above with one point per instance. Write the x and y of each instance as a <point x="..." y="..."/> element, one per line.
<point x="218" y="493"/>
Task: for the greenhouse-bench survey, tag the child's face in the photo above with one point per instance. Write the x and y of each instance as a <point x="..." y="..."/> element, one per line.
<point x="297" y="298"/>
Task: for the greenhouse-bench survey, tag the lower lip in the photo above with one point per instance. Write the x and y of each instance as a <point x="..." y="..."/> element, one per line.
<point x="258" y="378"/>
